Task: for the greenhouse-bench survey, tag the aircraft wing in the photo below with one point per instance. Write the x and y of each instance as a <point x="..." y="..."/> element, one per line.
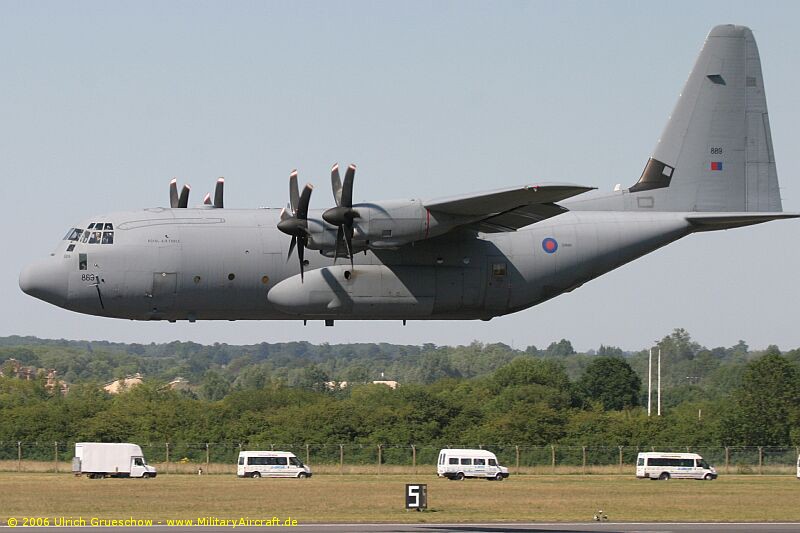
<point x="508" y="209"/>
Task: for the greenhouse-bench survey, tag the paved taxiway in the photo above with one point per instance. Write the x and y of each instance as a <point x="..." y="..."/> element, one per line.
<point x="574" y="527"/>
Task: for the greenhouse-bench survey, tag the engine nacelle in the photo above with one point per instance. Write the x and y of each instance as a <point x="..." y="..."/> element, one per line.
<point x="388" y="225"/>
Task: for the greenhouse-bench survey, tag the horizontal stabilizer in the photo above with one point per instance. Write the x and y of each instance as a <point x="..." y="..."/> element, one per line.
<point x="717" y="221"/>
<point x="503" y="200"/>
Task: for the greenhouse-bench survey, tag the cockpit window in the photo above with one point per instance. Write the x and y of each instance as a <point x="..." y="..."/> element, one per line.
<point x="73" y="235"/>
<point x="96" y="233"/>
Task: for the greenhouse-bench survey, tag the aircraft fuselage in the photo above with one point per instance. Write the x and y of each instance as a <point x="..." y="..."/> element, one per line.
<point x="214" y="264"/>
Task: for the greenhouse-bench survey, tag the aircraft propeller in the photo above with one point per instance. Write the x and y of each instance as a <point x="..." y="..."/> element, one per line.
<point x="295" y="221"/>
<point x="343" y="214"/>
<point x="218" y="190"/>
<point x="176" y="201"/>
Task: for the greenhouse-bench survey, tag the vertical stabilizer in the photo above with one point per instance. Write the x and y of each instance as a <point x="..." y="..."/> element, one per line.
<point x="715" y="153"/>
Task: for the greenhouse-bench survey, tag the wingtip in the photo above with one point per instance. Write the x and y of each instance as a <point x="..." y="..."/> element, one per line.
<point x="293" y="173"/>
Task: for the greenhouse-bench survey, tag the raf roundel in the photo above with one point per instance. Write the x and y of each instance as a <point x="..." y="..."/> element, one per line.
<point x="549" y="245"/>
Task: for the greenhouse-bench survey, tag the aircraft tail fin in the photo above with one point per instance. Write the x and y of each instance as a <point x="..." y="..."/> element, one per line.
<point x="715" y="153"/>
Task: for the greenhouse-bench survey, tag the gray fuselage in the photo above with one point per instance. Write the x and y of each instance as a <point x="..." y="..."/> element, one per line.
<point x="228" y="264"/>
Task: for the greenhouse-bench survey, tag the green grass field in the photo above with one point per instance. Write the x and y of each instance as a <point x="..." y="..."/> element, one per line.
<point x="367" y="498"/>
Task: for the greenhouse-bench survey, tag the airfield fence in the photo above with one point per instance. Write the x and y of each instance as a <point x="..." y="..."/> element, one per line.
<point x="379" y="458"/>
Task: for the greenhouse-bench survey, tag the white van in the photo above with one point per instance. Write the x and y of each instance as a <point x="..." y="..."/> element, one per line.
<point x="271" y="464"/>
<point x="457" y="463"/>
<point x="659" y="465"/>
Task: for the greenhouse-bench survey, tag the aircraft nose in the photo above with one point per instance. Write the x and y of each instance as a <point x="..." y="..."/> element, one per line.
<point x="44" y="280"/>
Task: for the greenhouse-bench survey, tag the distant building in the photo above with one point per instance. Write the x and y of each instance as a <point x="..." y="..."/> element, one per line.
<point x="123" y="384"/>
<point x="179" y="384"/>
<point x="334" y="385"/>
<point x="14" y="369"/>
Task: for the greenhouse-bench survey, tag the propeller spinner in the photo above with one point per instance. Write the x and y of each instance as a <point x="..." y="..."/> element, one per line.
<point x="295" y="221"/>
<point x="343" y="214"/>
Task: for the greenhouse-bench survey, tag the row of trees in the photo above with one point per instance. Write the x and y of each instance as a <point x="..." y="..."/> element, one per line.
<point x="530" y="400"/>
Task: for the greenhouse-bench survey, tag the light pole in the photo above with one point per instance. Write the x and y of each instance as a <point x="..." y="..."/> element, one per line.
<point x="659" y="381"/>
<point x="649" y="379"/>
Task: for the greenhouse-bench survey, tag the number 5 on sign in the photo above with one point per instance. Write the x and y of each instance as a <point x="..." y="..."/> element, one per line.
<point x="416" y="497"/>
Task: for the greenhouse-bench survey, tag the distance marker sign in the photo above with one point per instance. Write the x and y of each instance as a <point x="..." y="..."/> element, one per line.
<point x="416" y="497"/>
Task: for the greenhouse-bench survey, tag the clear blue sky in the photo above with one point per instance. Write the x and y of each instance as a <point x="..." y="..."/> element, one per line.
<point x="103" y="102"/>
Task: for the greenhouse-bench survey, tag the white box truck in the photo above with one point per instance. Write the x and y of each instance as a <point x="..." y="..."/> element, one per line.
<point x="100" y="459"/>
<point x="271" y="464"/>
<point x="458" y="463"/>
<point x="663" y="466"/>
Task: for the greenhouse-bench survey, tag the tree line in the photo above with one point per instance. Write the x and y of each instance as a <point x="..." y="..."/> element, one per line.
<point x="468" y="395"/>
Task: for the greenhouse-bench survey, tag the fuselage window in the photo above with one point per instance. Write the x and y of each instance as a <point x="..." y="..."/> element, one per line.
<point x="85" y="237"/>
<point x="91" y="225"/>
<point x="98" y="225"/>
<point x="109" y="226"/>
<point x="499" y="270"/>
<point x="82" y="262"/>
<point x="70" y="247"/>
<point x="108" y="237"/>
<point x="96" y="237"/>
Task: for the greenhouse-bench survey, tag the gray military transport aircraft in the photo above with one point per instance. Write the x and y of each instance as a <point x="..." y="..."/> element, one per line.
<point x="473" y="256"/>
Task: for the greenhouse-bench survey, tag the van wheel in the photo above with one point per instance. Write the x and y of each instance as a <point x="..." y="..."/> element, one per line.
<point x="707" y="477"/>
<point x="459" y="476"/>
<point x="256" y="474"/>
<point x="498" y="477"/>
<point x="302" y="475"/>
<point x="664" y="476"/>
<point x="146" y="475"/>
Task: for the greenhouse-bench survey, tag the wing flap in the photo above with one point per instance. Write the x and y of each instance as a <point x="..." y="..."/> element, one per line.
<point x="503" y="200"/>
<point x="518" y="218"/>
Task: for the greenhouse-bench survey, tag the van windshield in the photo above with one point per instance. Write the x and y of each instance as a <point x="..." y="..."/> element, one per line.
<point x="702" y="463"/>
<point x="294" y="461"/>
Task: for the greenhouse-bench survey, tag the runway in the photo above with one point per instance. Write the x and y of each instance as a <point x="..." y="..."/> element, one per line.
<point x="571" y="527"/>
